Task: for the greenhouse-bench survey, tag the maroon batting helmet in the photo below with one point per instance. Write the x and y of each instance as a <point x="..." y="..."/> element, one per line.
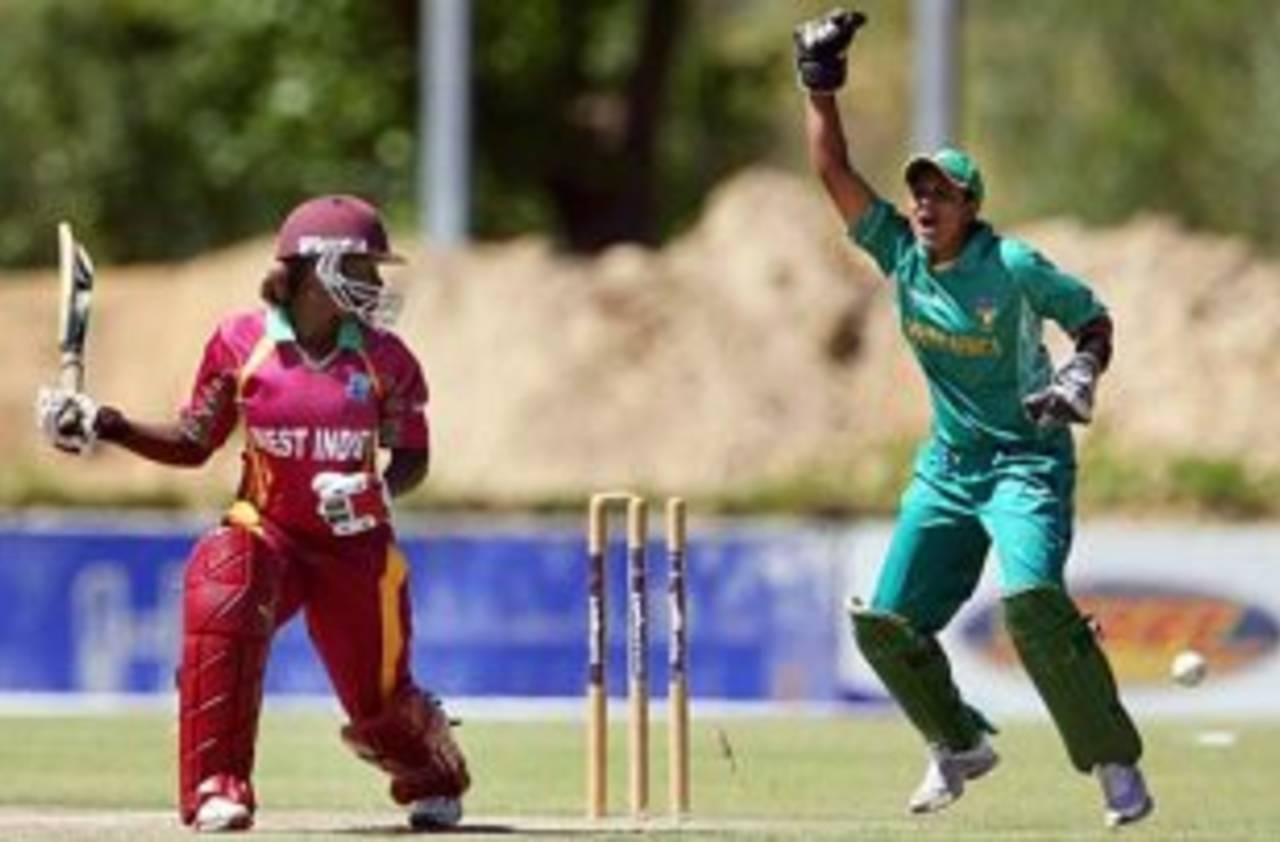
<point x="330" y="229"/>
<point x="345" y="224"/>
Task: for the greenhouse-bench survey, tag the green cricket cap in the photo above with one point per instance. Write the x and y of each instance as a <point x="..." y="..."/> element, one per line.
<point x="953" y="165"/>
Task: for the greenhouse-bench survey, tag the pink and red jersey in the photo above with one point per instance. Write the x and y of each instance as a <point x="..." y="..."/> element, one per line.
<point x="303" y="416"/>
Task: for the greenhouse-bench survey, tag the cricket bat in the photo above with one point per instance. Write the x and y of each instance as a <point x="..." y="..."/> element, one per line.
<point x="75" y="281"/>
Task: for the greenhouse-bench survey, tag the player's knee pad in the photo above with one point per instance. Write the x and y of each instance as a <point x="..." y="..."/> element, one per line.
<point x="1060" y="652"/>
<point x="229" y="597"/>
<point x="412" y="741"/>
<point x="916" y="672"/>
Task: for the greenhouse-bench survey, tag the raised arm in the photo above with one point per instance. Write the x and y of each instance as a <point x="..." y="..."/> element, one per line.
<point x="168" y="444"/>
<point x="820" y="46"/>
<point x="204" y="424"/>
<point x="830" y="158"/>
<point x="73" y="422"/>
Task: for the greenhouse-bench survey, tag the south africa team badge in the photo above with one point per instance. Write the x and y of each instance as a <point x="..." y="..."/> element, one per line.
<point x="985" y="309"/>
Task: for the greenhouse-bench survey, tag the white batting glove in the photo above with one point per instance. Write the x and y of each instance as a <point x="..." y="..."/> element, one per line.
<point x="351" y="503"/>
<point x="67" y="419"/>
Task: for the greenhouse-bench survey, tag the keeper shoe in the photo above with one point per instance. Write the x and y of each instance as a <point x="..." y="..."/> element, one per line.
<point x="226" y="804"/>
<point x="435" y="813"/>
<point x="946" y="772"/>
<point x="1125" y="791"/>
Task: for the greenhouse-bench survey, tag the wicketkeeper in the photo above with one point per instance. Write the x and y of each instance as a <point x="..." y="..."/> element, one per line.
<point x="319" y="386"/>
<point x="999" y="466"/>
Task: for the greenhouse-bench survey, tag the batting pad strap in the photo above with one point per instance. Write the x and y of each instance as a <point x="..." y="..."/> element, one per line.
<point x="1060" y="652"/>
<point x="915" y="671"/>
<point x="412" y="741"/>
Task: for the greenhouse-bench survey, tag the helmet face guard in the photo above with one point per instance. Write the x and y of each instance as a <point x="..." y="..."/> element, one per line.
<point x="330" y="229"/>
<point x="370" y="301"/>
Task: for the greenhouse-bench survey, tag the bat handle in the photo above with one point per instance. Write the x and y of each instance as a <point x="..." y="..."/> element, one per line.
<point x="71" y="373"/>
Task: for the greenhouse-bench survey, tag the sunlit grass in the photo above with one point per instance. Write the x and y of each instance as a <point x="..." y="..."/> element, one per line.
<point x="848" y="776"/>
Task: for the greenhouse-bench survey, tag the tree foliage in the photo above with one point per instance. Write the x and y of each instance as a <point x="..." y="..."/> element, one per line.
<point x="609" y="120"/>
<point x="165" y="128"/>
<point x="1105" y="108"/>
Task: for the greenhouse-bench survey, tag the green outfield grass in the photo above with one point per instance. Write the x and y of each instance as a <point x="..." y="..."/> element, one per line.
<point x="107" y="778"/>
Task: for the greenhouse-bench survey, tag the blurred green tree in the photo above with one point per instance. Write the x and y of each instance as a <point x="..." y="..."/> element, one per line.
<point x="165" y="128"/>
<point x="1105" y="108"/>
<point x="609" y="120"/>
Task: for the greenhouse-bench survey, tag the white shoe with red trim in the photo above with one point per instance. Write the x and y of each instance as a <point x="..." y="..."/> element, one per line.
<point x="226" y="804"/>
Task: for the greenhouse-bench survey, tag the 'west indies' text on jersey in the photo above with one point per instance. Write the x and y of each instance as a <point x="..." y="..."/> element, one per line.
<point x="303" y="416"/>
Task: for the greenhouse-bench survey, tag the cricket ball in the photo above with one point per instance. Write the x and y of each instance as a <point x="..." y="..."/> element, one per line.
<point x="1188" y="668"/>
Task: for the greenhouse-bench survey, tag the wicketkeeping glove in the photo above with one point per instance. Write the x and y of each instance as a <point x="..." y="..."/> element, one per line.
<point x="67" y="419"/>
<point x="351" y="503"/>
<point x="1068" y="399"/>
<point x="821" y="44"/>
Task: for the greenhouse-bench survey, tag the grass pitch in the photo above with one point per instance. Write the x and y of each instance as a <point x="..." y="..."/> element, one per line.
<point x="112" y="778"/>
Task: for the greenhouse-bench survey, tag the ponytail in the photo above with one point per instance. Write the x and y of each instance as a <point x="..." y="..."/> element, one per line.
<point x="282" y="280"/>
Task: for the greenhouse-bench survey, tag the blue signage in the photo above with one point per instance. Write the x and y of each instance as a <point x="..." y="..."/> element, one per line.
<point x="498" y="611"/>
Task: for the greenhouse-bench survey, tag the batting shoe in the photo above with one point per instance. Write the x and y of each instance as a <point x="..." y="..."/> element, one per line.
<point x="438" y="812"/>
<point x="1125" y="791"/>
<point x="226" y="804"/>
<point x="946" y="773"/>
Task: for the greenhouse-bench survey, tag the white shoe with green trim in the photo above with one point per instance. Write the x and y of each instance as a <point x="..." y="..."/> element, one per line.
<point x="1125" y="792"/>
<point x="946" y="773"/>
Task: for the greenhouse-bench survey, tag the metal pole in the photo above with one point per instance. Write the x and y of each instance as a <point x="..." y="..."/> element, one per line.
<point x="444" y="109"/>
<point x="938" y="71"/>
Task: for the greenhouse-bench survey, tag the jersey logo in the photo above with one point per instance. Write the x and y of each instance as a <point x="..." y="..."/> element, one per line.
<point x="985" y="309"/>
<point x="315" y="244"/>
<point x="359" y="387"/>
<point x="929" y="337"/>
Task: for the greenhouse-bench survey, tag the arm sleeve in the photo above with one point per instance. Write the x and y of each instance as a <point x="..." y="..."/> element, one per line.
<point x="883" y="233"/>
<point x="210" y="413"/>
<point x="1052" y="293"/>
<point x="403" y="416"/>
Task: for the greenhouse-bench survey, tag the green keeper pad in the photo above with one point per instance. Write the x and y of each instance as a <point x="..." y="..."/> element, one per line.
<point x="915" y="671"/>
<point x="1059" y="650"/>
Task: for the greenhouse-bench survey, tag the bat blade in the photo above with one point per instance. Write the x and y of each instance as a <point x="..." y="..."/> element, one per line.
<point x="75" y="275"/>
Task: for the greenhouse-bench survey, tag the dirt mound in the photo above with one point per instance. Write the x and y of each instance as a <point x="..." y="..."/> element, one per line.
<point x="757" y="346"/>
<point x="1198" y="337"/>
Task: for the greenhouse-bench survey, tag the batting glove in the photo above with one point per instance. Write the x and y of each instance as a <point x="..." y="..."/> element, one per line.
<point x="821" y="44"/>
<point x="67" y="419"/>
<point x="1068" y="399"/>
<point x="351" y="503"/>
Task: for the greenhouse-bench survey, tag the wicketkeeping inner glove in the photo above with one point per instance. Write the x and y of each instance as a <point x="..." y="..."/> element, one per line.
<point x="821" y="44"/>
<point x="67" y="419"/>
<point x="351" y="503"/>
<point x="1068" y="399"/>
